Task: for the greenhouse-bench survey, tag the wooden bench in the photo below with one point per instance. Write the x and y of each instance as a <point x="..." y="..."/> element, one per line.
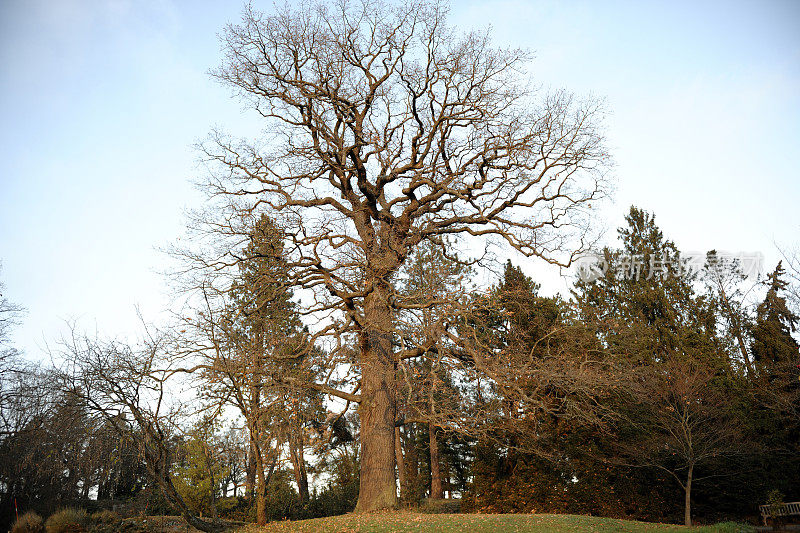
<point x="773" y="511"/>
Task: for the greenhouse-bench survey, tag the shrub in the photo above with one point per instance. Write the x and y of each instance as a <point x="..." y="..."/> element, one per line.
<point x="234" y="508"/>
<point x="67" y="520"/>
<point x="775" y="499"/>
<point x="105" y="517"/>
<point x="30" y="522"/>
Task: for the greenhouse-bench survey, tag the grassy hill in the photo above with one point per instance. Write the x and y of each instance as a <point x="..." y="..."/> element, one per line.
<point x="407" y="522"/>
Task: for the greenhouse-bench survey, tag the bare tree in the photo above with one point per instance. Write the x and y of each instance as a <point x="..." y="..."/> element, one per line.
<point x="12" y="368"/>
<point x="127" y="386"/>
<point x="387" y="129"/>
<point x="234" y="452"/>
<point x="683" y="421"/>
<point x="725" y="283"/>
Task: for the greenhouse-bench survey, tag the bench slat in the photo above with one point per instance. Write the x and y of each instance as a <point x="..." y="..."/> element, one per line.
<point x="782" y="510"/>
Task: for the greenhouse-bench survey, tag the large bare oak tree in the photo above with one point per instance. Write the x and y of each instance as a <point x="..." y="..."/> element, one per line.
<point x="384" y="128"/>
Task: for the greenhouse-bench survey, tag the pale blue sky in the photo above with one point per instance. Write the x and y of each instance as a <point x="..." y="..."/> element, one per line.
<point x="101" y="101"/>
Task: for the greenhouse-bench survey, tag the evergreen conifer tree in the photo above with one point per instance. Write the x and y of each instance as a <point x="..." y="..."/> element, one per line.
<point x="773" y="340"/>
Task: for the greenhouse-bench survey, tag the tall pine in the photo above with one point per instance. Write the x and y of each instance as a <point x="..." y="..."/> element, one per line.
<point x="773" y="340"/>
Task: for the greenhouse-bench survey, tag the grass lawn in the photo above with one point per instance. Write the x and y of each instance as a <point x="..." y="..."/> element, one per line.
<point x="405" y="521"/>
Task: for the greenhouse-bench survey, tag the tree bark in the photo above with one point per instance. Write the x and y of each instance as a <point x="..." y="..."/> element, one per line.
<point x="196" y="522"/>
<point x="436" y="474"/>
<point x="687" y="510"/>
<point x="250" y="474"/>
<point x="299" y="467"/>
<point x="412" y="466"/>
<point x="262" y="477"/>
<point x="261" y="496"/>
<point x="378" y="407"/>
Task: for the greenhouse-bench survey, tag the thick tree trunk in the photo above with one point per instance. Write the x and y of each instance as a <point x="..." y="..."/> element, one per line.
<point x="687" y="510"/>
<point x="250" y="474"/>
<point x="377" y="410"/>
<point x="436" y="474"/>
<point x="262" y="478"/>
<point x="253" y="411"/>
<point x="401" y="468"/>
<point x="261" y="497"/>
<point x="299" y="467"/>
<point x="196" y="522"/>
<point x="412" y="466"/>
<point x="304" y="493"/>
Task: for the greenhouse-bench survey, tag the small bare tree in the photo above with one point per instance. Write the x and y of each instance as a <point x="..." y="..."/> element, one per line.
<point x="13" y="370"/>
<point x="386" y="129"/>
<point x="725" y="282"/>
<point x="683" y="421"/>
<point x="127" y="387"/>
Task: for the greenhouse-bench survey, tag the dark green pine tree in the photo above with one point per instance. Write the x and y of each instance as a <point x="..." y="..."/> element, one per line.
<point x="261" y="290"/>
<point x="265" y="362"/>
<point x="651" y="320"/>
<point x="528" y="316"/>
<point x="644" y="306"/>
<point x="775" y="417"/>
<point x="773" y="340"/>
<point x="521" y="328"/>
